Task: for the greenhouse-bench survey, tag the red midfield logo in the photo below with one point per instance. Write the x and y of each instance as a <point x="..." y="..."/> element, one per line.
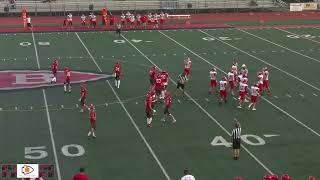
<point x="26" y="79"/>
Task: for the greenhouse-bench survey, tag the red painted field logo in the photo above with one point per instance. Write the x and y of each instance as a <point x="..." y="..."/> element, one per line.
<point x="26" y="79"/>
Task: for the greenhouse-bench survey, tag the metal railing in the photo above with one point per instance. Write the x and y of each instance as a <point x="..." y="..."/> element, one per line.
<point x="89" y="5"/>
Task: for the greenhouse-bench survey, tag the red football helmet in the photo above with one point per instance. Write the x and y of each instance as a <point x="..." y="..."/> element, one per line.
<point x="238" y="178"/>
<point x="224" y="78"/>
<point x="91" y="107"/>
<point x="66" y="69"/>
<point x="245" y="80"/>
<point x="168" y="93"/>
<point x="286" y="177"/>
<point x="312" y="178"/>
<point x="267" y="177"/>
<point x="275" y="177"/>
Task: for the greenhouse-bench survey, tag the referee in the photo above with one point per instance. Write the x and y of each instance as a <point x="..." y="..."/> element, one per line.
<point x="236" y="140"/>
<point x="182" y="78"/>
<point x="118" y="30"/>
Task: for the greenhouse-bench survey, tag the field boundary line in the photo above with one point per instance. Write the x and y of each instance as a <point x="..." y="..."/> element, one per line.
<point x="284" y="47"/>
<point x="128" y="114"/>
<point x="47" y="112"/>
<point x="297" y="35"/>
<point x="283" y="111"/>
<point x="197" y="104"/>
<point x="261" y="60"/>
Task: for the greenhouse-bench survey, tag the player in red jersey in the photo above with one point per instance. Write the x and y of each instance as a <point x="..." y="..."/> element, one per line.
<point x="117" y="73"/>
<point x="83" y="96"/>
<point x="254" y="91"/>
<point x="54" y="69"/>
<point x="93" y="119"/>
<point x="266" y="80"/>
<point x="231" y="81"/>
<point x="158" y="84"/>
<point x="67" y="83"/>
<point x="187" y="67"/>
<point x="112" y="19"/>
<point x="260" y="82"/>
<point x="238" y="178"/>
<point x="223" y="90"/>
<point x="153" y="95"/>
<point x="243" y="89"/>
<point x="149" y="110"/>
<point x="311" y="178"/>
<point x="164" y="83"/>
<point x="285" y="177"/>
<point x="152" y="75"/>
<point x="81" y="175"/>
<point x="213" y="80"/>
<point x="168" y="102"/>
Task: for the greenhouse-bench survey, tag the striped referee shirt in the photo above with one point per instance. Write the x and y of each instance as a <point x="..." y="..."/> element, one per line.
<point x="236" y="133"/>
<point x="182" y="78"/>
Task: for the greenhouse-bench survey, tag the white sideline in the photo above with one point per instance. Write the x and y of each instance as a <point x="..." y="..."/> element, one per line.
<point x="283" y="111"/>
<point x="297" y="35"/>
<point x="285" y="72"/>
<point x="47" y="111"/>
<point x="296" y="52"/>
<point x="128" y="114"/>
<point x="206" y="112"/>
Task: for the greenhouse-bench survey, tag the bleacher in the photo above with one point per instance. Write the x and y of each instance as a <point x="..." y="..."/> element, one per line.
<point x="89" y="5"/>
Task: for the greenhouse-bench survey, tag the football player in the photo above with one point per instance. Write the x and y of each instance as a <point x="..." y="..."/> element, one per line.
<point x="223" y="90"/>
<point x="168" y="101"/>
<point x="117" y="73"/>
<point x="54" y="69"/>
<point x="93" y="119"/>
<point x="213" y="80"/>
<point x="254" y="91"/>
<point x="67" y="83"/>
<point x="83" y="96"/>
<point x="243" y="89"/>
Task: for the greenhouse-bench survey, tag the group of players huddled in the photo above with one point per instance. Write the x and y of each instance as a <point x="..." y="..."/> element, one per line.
<point x="158" y="91"/>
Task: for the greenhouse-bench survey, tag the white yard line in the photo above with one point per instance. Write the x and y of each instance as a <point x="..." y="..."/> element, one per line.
<point x="283" y="111"/>
<point x="283" y="30"/>
<point x="284" y="47"/>
<point x="48" y="114"/>
<point x="197" y="104"/>
<point x="128" y="114"/>
<point x="261" y="60"/>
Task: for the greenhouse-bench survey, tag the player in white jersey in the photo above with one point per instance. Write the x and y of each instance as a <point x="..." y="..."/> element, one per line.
<point x="187" y="175"/>
<point x="123" y="19"/>
<point x="223" y="90"/>
<point x="260" y="82"/>
<point x="149" y="18"/>
<point x="69" y="19"/>
<point x="213" y="80"/>
<point x="254" y="91"/>
<point x="187" y="66"/>
<point x="243" y="89"/>
<point x="231" y="80"/>
<point x="244" y="70"/>
<point x="83" y="20"/>
<point x="266" y="80"/>
<point x="132" y="20"/>
<point x="155" y="18"/>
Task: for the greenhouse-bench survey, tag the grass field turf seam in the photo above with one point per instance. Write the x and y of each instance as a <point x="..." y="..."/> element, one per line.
<point x="280" y="109"/>
<point x="199" y="106"/>
<point x="128" y="114"/>
<point x="265" y="62"/>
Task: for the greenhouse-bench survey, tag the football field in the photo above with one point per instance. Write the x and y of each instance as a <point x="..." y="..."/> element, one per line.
<point x="44" y="125"/>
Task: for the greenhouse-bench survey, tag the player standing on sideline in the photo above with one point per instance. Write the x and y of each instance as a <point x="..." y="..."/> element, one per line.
<point x="69" y="20"/>
<point x="93" y="20"/>
<point x="236" y="140"/>
<point x="118" y="30"/>
<point x="112" y="19"/>
<point x="182" y="78"/>
<point x="81" y="175"/>
<point x="243" y="89"/>
<point x="123" y="19"/>
<point x="254" y="95"/>
<point x="187" y="67"/>
<point x="187" y="175"/>
<point x="155" y="21"/>
<point x="93" y="119"/>
<point x="162" y="17"/>
<point x="168" y="102"/>
<point x="231" y="81"/>
<point x="152" y="75"/>
<point x="266" y="80"/>
<point x="83" y="20"/>
<point x="29" y="25"/>
<point x="67" y="83"/>
<point x="83" y="96"/>
<point x="117" y="73"/>
<point x="260" y="82"/>
<point x="138" y="20"/>
<point x="54" y="69"/>
<point x="164" y="83"/>
<point x="223" y="90"/>
<point x="213" y="80"/>
<point x="149" y="110"/>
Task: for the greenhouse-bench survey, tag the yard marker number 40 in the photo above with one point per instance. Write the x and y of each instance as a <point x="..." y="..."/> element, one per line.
<point x="258" y="141"/>
<point x="40" y="152"/>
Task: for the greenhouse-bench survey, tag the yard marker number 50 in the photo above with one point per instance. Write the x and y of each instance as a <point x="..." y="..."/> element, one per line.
<point x="40" y="152"/>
